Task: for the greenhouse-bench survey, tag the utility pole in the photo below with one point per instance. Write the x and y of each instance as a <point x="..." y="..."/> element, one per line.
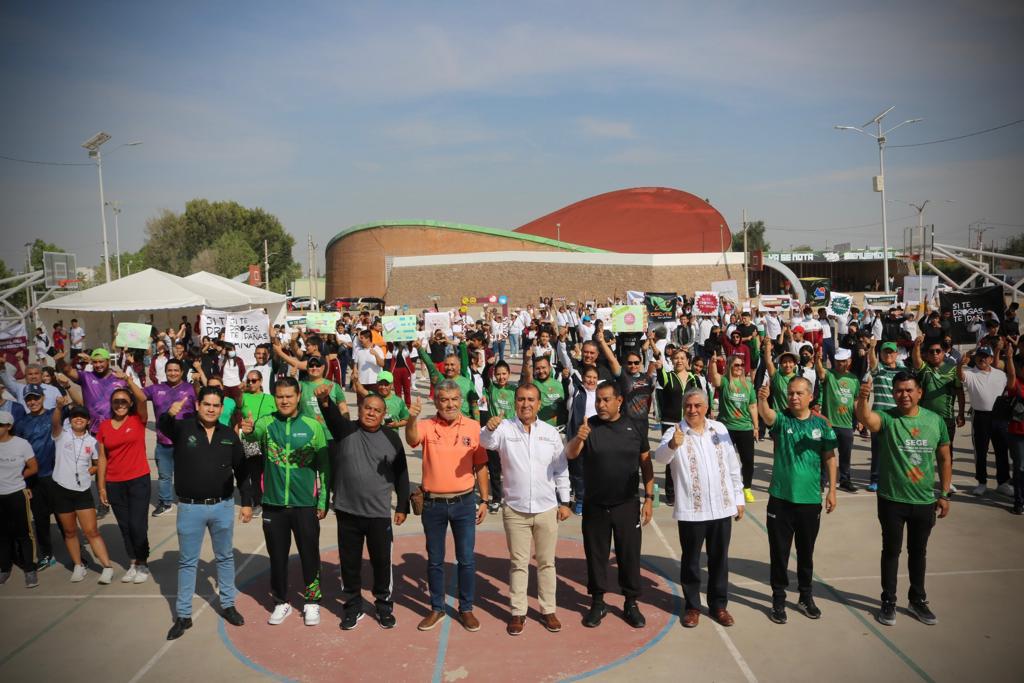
<point x="115" y="206"/>
<point x="746" y="266"/>
<point x="266" y="266"/>
<point x="312" y="273"/>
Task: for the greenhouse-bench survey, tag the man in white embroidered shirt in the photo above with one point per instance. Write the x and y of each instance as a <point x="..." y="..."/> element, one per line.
<point x="535" y="489"/>
<point x="709" y="493"/>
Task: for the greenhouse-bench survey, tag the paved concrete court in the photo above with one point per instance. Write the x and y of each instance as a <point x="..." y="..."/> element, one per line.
<point x="87" y="632"/>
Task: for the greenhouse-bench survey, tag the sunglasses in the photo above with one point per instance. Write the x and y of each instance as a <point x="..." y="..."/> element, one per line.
<point x="935" y="350"/>
<point x="632" y="362"/>
<point x="120" y="403"/>
<point x="737" y="365"/>
<point x="252" y="381"/>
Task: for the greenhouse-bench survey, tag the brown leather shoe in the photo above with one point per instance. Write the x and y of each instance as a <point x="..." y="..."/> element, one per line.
<point x="551" y="622"/>
<point x="691" y="618"/>
<point x="468" y="621"/>
<point x="430" y="621"/>
<point x="515" y="625"/>
<point x="723" y="617"/>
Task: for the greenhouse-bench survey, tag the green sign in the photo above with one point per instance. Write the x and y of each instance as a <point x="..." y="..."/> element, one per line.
<point x="399" y="328"/>
<point x="133" y="335"/>
<point x="628" y="319"/>
<point x="317" y="321"/>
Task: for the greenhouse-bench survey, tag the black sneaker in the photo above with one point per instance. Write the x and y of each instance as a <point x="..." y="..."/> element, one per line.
<point x="778" y="614"/>
<point x="920" y="609"/>
<point x="386" y="618"/>
<point x="807" y="607"/>
<point x="102" y="511"/>
<point x="493" y="507"/>
<point x="351" y="618"/>
<point x="232" y="616"/>
<point x="597" y="612"/>
<point x="162" y="509"/>
<point x="669" y="500"/>
<point x="178" y="629"/>
<point x="1017" y="510"/>
<point x="887" y="613"/>
<point x="849" y="487"/>
<point x="631" y="613"/>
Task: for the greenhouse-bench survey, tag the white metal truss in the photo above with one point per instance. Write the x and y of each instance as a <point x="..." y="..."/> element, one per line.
<point x="976" y="266"/>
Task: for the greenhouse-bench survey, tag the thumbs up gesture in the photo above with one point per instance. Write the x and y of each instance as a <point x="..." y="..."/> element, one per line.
<point x="415" y="409"/>
<point x="322" y="392"/>
<point x="247" y="423"/>
<point x="866" y="388"/>
<point x="176" y="407"/>
<point x="762" y="393"/>
<point x="583" y="432"/>
<point x="677" y="437"/>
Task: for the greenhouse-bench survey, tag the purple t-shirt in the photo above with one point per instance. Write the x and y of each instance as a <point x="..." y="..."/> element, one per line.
<point x="163" y="395"/>
<point x="96" y="393"/>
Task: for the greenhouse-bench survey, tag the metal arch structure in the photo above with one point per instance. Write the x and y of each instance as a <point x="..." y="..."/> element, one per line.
<point x="794" y="280"/>
<point x="978" y="267"/>
<point x="11" y="315"/>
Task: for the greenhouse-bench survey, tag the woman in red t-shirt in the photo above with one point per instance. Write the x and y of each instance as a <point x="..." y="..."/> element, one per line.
<point x="123" y="476"/>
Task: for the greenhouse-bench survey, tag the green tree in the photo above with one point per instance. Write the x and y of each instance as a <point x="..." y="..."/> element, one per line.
<point x="1014" y="246"/>
<point x="38" y="247"/>
<point x="755" y="237"/>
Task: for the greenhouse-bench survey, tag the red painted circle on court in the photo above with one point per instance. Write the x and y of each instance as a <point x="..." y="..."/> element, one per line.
<point x="325" y="652"/>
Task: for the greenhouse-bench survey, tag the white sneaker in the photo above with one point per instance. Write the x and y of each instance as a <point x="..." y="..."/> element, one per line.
<point x="78" y="574"/>
<point x="953" y="489"/>
<point x="1006" y="488"/>
<point x="141" y="574"/>
<point x="279" y="614"/>
<point x="311" y="614"/>
<point x="130" y="575"/>
<point x="979" y="490"/>
<point x="107" y="575"/>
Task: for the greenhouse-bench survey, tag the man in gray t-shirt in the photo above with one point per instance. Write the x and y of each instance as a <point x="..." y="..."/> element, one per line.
<point x="367" y="463"/>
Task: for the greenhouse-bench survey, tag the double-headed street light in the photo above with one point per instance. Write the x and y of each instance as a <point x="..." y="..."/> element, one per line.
<point x="879" y="181"/>
<point x="93" y="145"/>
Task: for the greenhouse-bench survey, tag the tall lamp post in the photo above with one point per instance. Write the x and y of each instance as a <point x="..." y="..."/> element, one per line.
<point x="879" y="182"/>
<point x="93" y="145"/>
<point x="115" y="206"/>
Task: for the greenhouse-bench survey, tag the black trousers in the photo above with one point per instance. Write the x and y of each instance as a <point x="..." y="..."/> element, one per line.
<point x="376" y="533"/>
<point x="788" y="521"/>
<point x="130" y="502"/>
<point x="42" y="510"/>
<point x="254" y="471"/>
<point x="576" y="483"/>
<point x="600" y="525"/>
<point x="17" y="537"/>
<point x="950" y="427"/>
<point x="744" y="442"/>
<point x="279" y="525"/>
<point x="494" y="474"/>
<point x="670" y="483"/>
<point x="919" y="520"/>
<point x="844" y="437"/>
<point x="987" y="429"/>
<point x="876" y="445"/>
<point x="715" y="535"/>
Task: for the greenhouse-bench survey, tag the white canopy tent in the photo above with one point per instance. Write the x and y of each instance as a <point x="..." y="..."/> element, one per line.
<point x="154" y="297"/>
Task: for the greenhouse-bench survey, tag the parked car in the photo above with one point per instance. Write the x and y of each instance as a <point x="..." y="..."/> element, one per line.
<point x="355" y="303"/>
<point x="302" y="303"/>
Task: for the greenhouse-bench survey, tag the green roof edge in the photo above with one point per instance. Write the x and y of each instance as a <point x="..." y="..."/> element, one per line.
<point x="497" y="232"/>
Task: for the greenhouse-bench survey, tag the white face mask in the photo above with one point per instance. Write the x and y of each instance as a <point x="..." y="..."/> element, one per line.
<point x="231" y="354"/>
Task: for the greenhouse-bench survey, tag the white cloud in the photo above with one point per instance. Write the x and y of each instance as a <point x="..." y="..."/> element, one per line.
<point x="605" y="128"/>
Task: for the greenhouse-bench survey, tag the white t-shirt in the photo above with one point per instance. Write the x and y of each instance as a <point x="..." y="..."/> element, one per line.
<point x="585" y="331"/>
<point x="76" y="335"/>
<point x="983" y="388"/>
<point x="14" y="453"/>
<point x="74" y="457"/>
<point x="366" y="365"/>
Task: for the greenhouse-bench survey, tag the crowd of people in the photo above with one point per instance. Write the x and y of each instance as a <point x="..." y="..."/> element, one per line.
<point x="566" y="435"/>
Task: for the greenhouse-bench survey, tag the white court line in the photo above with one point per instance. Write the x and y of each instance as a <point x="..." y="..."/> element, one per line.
<point x="731" y="646"/>
<point x="167" y="646"/>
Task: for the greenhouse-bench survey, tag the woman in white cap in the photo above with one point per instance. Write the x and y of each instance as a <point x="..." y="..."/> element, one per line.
<point x="76" y="461"/>
<point x="17" y="461"/>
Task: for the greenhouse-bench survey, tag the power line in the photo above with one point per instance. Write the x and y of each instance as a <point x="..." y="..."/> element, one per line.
<point x="46" y="163"/>
<point x="960" y="137"/>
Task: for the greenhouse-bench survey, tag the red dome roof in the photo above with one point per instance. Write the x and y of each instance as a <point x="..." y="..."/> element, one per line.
<point x="641" y="220"/>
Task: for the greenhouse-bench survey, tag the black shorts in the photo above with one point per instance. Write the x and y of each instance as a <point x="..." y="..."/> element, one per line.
<point x="67" y="500"/>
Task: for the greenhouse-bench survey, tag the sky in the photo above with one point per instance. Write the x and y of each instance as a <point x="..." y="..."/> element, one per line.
<point x="332" y="114"/>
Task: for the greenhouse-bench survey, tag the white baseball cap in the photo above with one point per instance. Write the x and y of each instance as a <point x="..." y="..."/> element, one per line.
<point x="6" y="418"/>
<point x="843" y="354"/>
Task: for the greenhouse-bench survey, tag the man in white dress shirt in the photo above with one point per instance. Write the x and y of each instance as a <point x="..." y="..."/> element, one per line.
<point x="535" y="491"/>
<point x="709" y="493"/>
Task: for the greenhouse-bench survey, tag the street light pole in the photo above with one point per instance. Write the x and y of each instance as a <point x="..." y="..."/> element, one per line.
<point x="93" y="146"/>
<point x="880" y="138"/>
<point x="115" y="206"/>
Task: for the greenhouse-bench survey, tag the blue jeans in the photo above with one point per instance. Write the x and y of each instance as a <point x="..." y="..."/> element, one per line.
<point x="513" y="343"/>
<point x="499" y="349"/>
<point x="193" y="521"/>
<point x="437" y="516"/>
<point x="164" y="456"/>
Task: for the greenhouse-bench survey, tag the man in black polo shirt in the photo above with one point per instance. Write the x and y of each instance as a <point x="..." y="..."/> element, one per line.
<point x="207" y="454"/>
<point x="613" y="451"/>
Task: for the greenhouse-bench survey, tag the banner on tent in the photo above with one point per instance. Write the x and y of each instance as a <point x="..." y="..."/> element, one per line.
<point x="133" y="335"/>
<point x="661" y="306"/>
<point x="399" y="328"/>
<point x="839" y="304"/>
<point x="627" y="319"/>
<point x="705" y="303"/>
<point x="967" y="307"/>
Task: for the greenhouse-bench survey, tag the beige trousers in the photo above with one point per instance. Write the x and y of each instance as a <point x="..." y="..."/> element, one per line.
<point x="542" y="529"/>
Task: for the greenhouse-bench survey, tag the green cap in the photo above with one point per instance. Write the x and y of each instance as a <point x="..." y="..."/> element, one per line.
<point x="890" y="346"/>
<point x="385" y="376"/>
<point x="100" y="354"/>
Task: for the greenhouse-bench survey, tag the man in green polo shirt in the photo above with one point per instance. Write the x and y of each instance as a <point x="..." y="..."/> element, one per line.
<point x="396" y="413"/>
<point x="456" y="368"/>
<point x="940" y="382"/>
<point x="912" y="441"/>
<point x="882" y="367"/>
<point x="803" y="442"/>
<point x="552" y="394"/>
<point x="839" y="390"/>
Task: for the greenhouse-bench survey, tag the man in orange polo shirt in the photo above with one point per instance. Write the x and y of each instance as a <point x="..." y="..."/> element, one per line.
<point x="453" y="462"/>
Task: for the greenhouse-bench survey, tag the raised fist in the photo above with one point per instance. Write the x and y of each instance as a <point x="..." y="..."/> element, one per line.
<point x="762" y="393"/>
<point x="583" y="432"/>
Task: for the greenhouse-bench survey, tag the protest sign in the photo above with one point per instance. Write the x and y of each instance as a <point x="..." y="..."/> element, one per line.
<point x="14" y="346"/>
<point x="247" y="330"/>
<point x="627" y="319"/>
<point x="661" y="306"/>
<point x="818" y="290"/>
<point x="879" y="300"/>
<point x="133" y="335"/>
<point x="433" y="320"/>
<point x="634" y="297"/>
<point x="967" y="307"/>
<point x="211" y="322"/>
<point x="774" y="301"/>
<point x="399" y="328"/>
<point x="839" y="304"/>
<point x="323" y="322"/>
<point x="705" y="303"/>
<point x="918" y="289"/>
<point x="604" y="314"/>
<point x="726" y="289"/>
